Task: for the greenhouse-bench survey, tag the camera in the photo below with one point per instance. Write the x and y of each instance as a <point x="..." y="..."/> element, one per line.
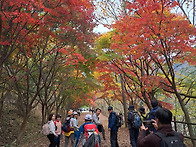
<point x="148" y="123"/>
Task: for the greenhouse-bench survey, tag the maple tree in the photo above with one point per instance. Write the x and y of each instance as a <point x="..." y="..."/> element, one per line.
<point x="152" y="32"/>
<point x="38" y="40"/>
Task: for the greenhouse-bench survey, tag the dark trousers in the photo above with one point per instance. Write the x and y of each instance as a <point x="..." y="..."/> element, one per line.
<point x="57" y="141"/>
<point x="113" y="139"/>
<point x="133" y="136"/>
<point x="51" y="137"/>
<point x="101" y="129"/>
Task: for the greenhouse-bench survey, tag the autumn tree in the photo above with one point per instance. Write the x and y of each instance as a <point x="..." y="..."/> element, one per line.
<point x="32" y="34"/>
<point x="164" y="37"/>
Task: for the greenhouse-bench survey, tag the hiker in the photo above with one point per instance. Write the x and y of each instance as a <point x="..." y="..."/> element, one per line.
<point x="70" y="133"/>
<point x="74" y="122"/>
<point x="142" y="113"/>
<point x="151" y="114"/>
<point x="162" y="124"/>
<point x="58" y="130"/>
<point x="88" y="133"/>
<point x="112" y="128"/>
<point x="134" y="123"/>
<point x="97" y="122"/>
<point x="52" y="135"/>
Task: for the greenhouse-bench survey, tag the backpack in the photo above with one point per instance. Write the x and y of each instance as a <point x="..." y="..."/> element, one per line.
<point x="46" y="129"/>
<point x="66" y="126"/>
<point x="91" y="136"/>
<point x="136" y="120"/>
<point x="119" y="121"/>
<point x="170" y="141"/>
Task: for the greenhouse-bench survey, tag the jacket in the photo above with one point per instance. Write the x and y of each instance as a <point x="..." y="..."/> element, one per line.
<point x="152" y="140"/>
<point x="82" y="132"/>
<point x="112" y="121"/>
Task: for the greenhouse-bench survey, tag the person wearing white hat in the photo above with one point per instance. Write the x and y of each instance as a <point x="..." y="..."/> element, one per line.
<point x="83" y="130"/>
<point x="74" y="123"/>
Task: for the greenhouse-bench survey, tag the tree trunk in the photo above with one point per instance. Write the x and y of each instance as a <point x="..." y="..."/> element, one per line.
<point x="22" y="129"/>
<point x="187" y="117"/>
<point x="1" y="107"/>
<point x="124" y="99"/>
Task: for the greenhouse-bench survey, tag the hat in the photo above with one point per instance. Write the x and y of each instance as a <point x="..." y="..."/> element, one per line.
<point x="154" y="103"/>
<point x="69" y="113"/>
<point x="131" y="107"/>
<point x="88" y="117"/>
<point x="110" y="108"/>
<point x="75" y="113"/>
<point x="142" y="110"/>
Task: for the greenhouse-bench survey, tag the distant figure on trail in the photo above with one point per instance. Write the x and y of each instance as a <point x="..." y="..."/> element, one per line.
<point x="52" y="134"/>
<point x="164" y="133"/>
<point x="151" y="114"/>
<point x="97" y="122"/>
<point x="112" y="127"/>
<point x="69" y="133"/>
<point x="134" y="123"/>
<point x="58" y="130"/>
<point x="88" y="134"/>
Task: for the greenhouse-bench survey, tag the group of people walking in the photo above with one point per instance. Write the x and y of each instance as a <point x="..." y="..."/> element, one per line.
<point x="151" y="130"/>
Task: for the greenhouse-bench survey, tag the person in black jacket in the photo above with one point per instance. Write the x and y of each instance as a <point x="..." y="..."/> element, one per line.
<point x="133" y="132"/>
<point x="112" y="127"/>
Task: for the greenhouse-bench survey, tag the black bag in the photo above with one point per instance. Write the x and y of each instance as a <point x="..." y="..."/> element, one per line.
<point x="170" y="141"/>
<point x="119" y="121"/>
<point x="66" y="126"/>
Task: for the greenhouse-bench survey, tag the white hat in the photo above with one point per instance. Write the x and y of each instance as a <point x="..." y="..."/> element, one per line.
<point x="75" y="113"/>
<point x="88" y="117"/>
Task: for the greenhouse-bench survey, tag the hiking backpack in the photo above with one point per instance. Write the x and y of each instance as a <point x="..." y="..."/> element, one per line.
<point x="136" y="120"/>
<point x="119" y="121"/>
<point x="91" y="136"/>
<point x="46" y="129"/>
<point x="66" y="126"/>
<point x="170" y="141"/>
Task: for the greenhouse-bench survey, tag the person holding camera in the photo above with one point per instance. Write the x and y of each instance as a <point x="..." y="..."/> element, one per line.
<point x="164" y="135"/>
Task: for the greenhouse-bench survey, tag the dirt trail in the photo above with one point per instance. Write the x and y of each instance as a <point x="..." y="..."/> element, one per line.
<point x="123" y="135"/>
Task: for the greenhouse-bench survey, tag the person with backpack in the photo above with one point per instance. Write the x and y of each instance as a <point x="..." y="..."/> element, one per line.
<point x="98" y="123"/>
<point x="58" y="130"/>
<point x="52" y="135"/>
<point x="134" y="123"/>
<point x="88" y="134"/>
<point x="112" y="128"/>
<point x="165" y="136"/>
<point x="68" y="129"/>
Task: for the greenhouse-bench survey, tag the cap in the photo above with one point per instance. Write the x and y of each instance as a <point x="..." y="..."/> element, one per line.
<point x="110" y="108"/>
<point x="69" y="113"/>
<point x="131" y="107"/>
<point x="75" y="113"/>
<point x="142" y="110"/>
<point x="88" y="117"/>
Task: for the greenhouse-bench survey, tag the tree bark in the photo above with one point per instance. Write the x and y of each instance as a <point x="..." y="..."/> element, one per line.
<point x="124" y="99"/>
<point x="187" y="117"/>
<point x="22" y="129"/>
